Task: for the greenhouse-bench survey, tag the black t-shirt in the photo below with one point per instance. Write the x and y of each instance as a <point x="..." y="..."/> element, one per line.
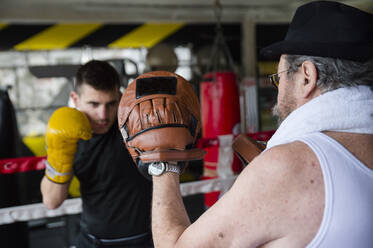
<point x="116" y="197"/>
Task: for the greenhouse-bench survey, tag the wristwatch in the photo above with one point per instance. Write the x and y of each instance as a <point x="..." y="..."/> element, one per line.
<point x="158" y="168"/>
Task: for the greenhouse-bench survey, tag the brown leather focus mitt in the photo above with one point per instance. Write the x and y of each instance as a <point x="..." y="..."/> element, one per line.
<point x="246" y="148"/>
<point x="159" y="118"/>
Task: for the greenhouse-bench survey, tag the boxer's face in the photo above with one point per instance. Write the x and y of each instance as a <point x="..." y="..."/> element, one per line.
<point x="99" y="106"/>
<point x="286" y="98"/>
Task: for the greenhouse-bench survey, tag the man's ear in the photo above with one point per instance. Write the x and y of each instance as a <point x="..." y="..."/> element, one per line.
<point x="75" y="97"/>
<point x="309" y="86"/>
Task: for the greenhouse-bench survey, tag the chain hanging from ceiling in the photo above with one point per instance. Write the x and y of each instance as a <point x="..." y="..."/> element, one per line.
<point x="221" y="58"/>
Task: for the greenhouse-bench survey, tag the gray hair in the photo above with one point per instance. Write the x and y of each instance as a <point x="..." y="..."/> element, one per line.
<point x="335" y="73"/>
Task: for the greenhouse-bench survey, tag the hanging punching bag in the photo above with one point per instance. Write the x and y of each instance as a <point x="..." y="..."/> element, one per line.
<point x="220" y="109"/>
<point x="15" y="234"/>
<point x="220" y="115"/>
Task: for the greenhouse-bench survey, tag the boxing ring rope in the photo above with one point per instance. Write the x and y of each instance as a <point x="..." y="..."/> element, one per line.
<point x="74" y="206"/>
<point x="38" y="211"/>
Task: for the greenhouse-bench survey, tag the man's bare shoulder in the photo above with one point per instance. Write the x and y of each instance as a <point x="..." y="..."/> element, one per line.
<point x="293" y="167"/>
<point x="286" y="181"/>
<point x="283" y="160"/>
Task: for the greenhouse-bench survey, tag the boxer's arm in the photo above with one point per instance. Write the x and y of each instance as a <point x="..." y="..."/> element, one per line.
<point x="53" y="194"/>
<point x="169" y="217"/>
<point x="65" y="128"/>
<point x="268" y="201"/>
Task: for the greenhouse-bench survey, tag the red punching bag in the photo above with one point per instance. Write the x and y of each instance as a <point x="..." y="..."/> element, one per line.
<point x="220" y="115"/>
<point x="220" y="106"/>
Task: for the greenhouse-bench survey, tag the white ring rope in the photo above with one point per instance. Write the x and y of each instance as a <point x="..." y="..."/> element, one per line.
<point x="74" y="206"/>
<point x="38" y="211"/>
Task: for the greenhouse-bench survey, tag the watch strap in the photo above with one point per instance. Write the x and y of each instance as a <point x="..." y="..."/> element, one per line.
<point x="159" y="168"/>
<point x="173" y="168"/>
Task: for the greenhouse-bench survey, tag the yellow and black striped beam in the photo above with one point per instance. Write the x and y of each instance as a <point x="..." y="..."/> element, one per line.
<point x="34" y="37"/>
<point x="61" y="36"/>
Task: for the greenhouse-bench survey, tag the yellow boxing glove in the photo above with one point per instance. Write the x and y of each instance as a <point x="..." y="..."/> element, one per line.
<point x="65" y="127"/>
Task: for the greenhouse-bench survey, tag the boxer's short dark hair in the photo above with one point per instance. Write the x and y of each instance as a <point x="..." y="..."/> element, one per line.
<point x="98" y="74"/>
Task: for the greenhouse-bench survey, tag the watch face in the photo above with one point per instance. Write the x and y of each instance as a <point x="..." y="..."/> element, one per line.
<point x="156" y="169"/>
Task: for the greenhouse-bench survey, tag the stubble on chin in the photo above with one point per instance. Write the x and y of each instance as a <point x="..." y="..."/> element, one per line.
<point x="277" y="115"/>
<point x="282" y="112"/>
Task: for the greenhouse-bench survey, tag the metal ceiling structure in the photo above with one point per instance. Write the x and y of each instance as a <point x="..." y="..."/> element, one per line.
<point x="140" y="11"/>
<point x="27" y="25"/>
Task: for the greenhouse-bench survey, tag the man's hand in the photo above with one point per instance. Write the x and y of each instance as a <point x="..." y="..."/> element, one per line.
<point x="246" y="148"/>
<point x="65" y="127"/>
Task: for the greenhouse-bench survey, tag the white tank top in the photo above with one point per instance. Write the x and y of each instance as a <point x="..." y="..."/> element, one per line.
<point x="348" y="212"/>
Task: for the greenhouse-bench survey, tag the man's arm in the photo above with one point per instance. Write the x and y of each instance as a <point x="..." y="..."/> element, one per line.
<point x="169" y="217"/>
<point x="271" y="200"/>
<point x="220" y="226"/>
<point x="53" y="194"/>
<point x="65" y="127"/>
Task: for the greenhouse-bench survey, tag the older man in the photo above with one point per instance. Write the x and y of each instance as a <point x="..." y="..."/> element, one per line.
<point x="313" y="185"/>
